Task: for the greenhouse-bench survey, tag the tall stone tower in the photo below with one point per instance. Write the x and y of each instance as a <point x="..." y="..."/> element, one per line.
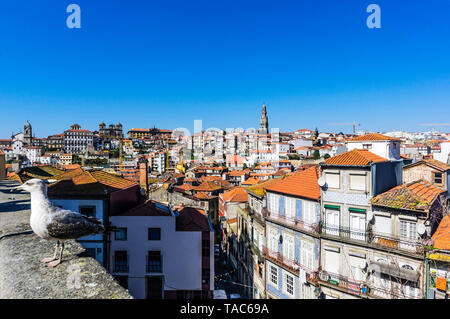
<point x="27" y="133"/>
<point x="264" y="124"/>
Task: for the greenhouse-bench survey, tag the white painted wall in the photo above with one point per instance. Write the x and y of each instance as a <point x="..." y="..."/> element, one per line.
<point x="180" y="250"/>
<point x="387" y="149"/>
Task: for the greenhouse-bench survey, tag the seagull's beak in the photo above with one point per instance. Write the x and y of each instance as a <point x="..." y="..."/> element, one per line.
<point x="20" y="187"/>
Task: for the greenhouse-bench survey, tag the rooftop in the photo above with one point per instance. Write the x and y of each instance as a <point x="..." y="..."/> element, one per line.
<point x="417" y="196"/>
<point x="301" y="183"/>
<point x="373" y="137"/>
<point x="441" y="166"/>
<point x="355" y="157"/>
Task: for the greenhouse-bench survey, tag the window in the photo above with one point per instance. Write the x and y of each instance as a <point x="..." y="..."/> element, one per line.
<point x="290" y="207"/>
<point x="273" y="240"/>
<point x="407" y="229"/>
<point x="288" y="284"/>
<point x="274" y="202"/>
<point x="273" y="275"/>
<point x="367" y="146"/>
<point x="357" y="226"/>
<point x="88" y="211"/>
<point x="307" y="291"/>
<point x="333" y="180"/>
<point x="332" y="222"/>
<point x="288" y="247"/>
<point x="309" y="212"/>
<point x="121" y="261"/>
<point x="154" y="261"/>
<point x="306" y="254"/>
<point x="121" y="234"/>
<point x="438" y="178"/>
<point x="154" y="234"/>
<point x="357" y="182"/>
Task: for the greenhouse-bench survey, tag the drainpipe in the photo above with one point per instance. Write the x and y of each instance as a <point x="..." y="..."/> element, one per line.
<point x="426" y="278"/>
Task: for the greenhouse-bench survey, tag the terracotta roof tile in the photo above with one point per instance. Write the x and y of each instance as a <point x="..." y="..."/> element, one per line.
<point x="252" y="181"/>
<point x="441" y="238"/>
<point x="373" y="137"/>
<point x="416" y="196"/>
<point x="355" y="157"/>
<point x="433" y="163"/>
<point x="302" y="183"/>
<point x="237" y="194"/>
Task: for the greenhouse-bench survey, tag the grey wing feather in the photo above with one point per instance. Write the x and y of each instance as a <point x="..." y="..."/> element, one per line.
<point x="71" y="225"/>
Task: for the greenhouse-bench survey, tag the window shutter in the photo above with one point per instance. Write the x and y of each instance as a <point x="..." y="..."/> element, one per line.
<point x="299" y="209"/>
<point x="281" y="205"/>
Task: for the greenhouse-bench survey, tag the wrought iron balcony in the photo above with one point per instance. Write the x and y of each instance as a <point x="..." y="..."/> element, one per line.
<point x="344" y="232"/>
<point x="351" y="285"/>
<point x="290" y="264"/>
<point x="397" y="243"/>
<point x="394" y="292"/>
<point x="386" y="241"/>
<point x="293" y="221"/>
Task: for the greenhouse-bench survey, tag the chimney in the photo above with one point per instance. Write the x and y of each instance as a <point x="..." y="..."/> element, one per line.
<point x="143" y="173"/>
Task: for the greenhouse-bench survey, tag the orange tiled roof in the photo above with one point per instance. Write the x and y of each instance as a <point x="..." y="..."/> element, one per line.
<point x="207" y="187"/>
<point x="186" y="187"/>
<point x="302" y="183"/>
<point x="355" y="157"/>
<point x="437" y="164"/>
<point x="441" y="238"/>
<point x="373" y="137"/>
<point x="252" y="181"/>
<point x="416" y="196"/>
<point x="71" y="166"/>
<point x="95" y="182"/>
<point x="237" y="194"/>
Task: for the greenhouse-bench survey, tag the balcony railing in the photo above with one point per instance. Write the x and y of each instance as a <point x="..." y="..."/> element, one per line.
<point x="344" y="232"/>
<point x="373" y="238"/>
<point x="349" y="284"/>
<point x="394" y="292"/>
<point x="293" y="265"/>
<point x="293" y="221"/>
<point x="392" y="242"/>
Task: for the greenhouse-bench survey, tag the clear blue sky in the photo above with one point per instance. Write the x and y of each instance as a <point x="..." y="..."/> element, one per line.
<point x="167" y="63"/>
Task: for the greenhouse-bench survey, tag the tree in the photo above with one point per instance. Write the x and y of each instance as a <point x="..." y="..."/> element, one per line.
<point x="326" y="156"/>
<point x="316" y="154"/>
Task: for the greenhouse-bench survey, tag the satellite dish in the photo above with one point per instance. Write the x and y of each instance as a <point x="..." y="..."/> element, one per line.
<point x="363" y="264"/>
<point x="370" y="215"/>
<point x="421" y="229"/>
<point x="321" y="181"/>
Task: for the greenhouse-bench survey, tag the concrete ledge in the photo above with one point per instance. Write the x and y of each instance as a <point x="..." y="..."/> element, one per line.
<point x="22" y="275"/>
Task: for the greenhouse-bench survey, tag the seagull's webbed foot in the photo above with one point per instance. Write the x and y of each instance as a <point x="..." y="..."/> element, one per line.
<point x="50" y="259"/>
<point x="53" y="264"/>
<point x="47" y="260"/>
<point x="57" y="262"/>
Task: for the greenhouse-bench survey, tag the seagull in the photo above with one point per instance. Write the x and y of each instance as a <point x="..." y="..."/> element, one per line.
<point x="55" y="224"/>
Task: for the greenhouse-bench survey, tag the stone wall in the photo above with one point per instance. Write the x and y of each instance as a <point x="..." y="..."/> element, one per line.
<point x="23" y="276"/>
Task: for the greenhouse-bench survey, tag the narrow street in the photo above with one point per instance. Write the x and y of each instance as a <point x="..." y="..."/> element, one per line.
<point x="224" y="275"/>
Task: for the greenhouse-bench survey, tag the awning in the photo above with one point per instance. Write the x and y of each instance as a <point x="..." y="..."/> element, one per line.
<point x="394" y="271"/>
<point x="332" y="207"/>
<point x="359" y="210"/>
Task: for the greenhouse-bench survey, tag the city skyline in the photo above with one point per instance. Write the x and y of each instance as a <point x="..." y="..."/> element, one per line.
<point x="166" y="65"/>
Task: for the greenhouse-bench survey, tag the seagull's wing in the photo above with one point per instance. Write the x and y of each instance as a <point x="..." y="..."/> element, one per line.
<point x="66" y="224"/>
